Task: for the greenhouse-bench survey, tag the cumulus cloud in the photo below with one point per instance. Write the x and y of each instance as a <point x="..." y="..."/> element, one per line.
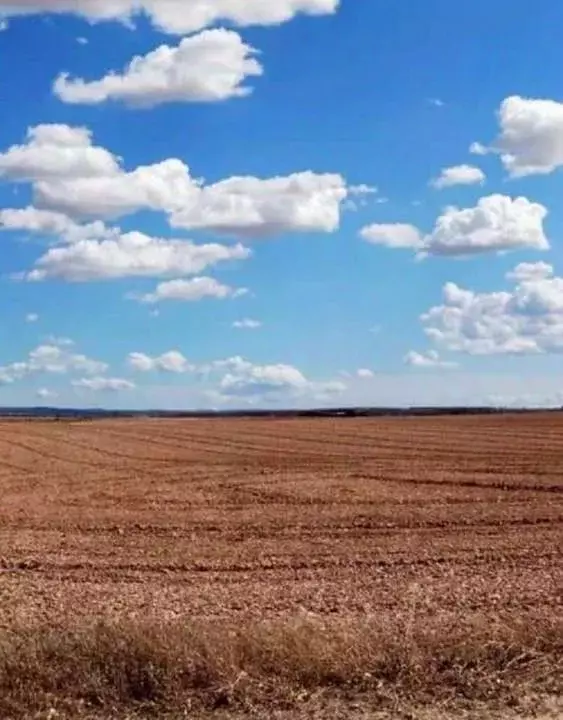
<point x="130" y="255"/>
<point x="103" y="384"/>
<point x="247" y="324"/>
<point x="191" y="290"/>
<point x="496" y="224"/>
<point x="50" y="223"/>
<point x="430" y="359"/>
<point x="177" y="16"/>
<point x="171" y="362"/>
<point x="249" y="206"/>
<point x="56" y="151"/>
<point x="251" y="379"/>
<point x="208" y="67"/>
<point x="166" y="187"/>
<point x="459" y="175"/>
<point x="58" y="359"/>
<point x="73" y="177"/>
<point x="527" y="319"/>
<point x="52" y="358"/>
<point x="31" y="318"/>
<point x="530" y="271"/>
<point x="236" y="380"/>
<point x="393" y="235"/>
<point x="531" y="136"/>
<point x="243" y="379"/>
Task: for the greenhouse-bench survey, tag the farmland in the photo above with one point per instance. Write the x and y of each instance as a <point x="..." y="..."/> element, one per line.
<point x="428" y="529"/>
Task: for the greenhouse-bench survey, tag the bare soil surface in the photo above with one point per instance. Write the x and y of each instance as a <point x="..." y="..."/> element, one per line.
<point x="413" y="521"/>
<point x="214" y="518"/>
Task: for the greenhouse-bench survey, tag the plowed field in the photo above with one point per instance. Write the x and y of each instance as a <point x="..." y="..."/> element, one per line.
<point x="264" y="518"/>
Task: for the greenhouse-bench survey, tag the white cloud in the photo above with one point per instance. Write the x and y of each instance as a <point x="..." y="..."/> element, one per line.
<point x="249" y="206"/>
<point x="245" y="380"/>
<point x="208" y="67"/>
<point x="530" y="271"/>
<point x="50" y="223"/>
<point x="46" y="394"/>
<point x="531" y="136"/>
<point x="436" y="102"/>
<point x="430" y="359"/>
<point x="401" y="389"/>
<point x="247" y="324"/>
<point x="478" y="148"/>
<point x="4" y="25"/>
<point x="358" y="196"/>
<point x="528" y="319"/>
<point x="93" y="10"/>
<point x="57" y="359"/>
<point x="52" y="358"/>
<point x="177" y="16"/>
<point x="103" y="384"/>
<point x="362" y="190"/>
<point x="496" y="224"/>
<point x="56" y="151"/>
<point x="72" y="177"/>
<point x="166" y="186"/>
<point x="31" y="318"/>
<point x="459" y="175"/>
<point x="191" y="290"/>
<point x="365" y="373"/>
<point x="394" y="235"/>
<point x="237" y="381"/>
<point x="248" y="379"/>
<point x="82" y="40"/>
<point x="130" y="255"/>
<point x="172" y="362"/>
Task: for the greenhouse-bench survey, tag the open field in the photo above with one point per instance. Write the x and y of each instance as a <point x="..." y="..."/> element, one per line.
<point x="424" y="543"/>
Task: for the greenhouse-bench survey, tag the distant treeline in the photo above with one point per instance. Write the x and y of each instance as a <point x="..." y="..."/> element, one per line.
<point x="95" y="414"/>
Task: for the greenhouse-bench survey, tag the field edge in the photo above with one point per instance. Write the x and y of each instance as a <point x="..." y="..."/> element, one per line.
<point x="286" y="666"/>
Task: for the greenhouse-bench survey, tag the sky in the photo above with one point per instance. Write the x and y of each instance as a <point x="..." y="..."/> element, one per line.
<point x="225" y="204"/>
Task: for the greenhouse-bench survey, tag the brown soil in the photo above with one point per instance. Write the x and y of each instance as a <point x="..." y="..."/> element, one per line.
<point x="426" y="522"/>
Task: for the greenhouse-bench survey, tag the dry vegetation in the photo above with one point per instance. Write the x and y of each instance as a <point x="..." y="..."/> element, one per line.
<point x="281" y="568"/>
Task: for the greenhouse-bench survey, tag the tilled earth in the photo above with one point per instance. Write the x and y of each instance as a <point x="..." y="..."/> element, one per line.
<point x="426" y="517"/>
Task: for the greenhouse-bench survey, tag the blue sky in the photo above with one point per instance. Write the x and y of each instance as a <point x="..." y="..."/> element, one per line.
<point x="280" y="204"/>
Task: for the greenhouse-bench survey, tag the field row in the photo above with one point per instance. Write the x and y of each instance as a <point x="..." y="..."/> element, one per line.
<point x="217" y="518"/>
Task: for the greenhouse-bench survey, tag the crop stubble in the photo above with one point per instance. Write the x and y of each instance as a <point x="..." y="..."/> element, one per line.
<point x="228" y="518"/>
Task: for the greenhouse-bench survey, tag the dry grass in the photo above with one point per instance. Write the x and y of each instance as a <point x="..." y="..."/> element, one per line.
<point x="159" y="668"/>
